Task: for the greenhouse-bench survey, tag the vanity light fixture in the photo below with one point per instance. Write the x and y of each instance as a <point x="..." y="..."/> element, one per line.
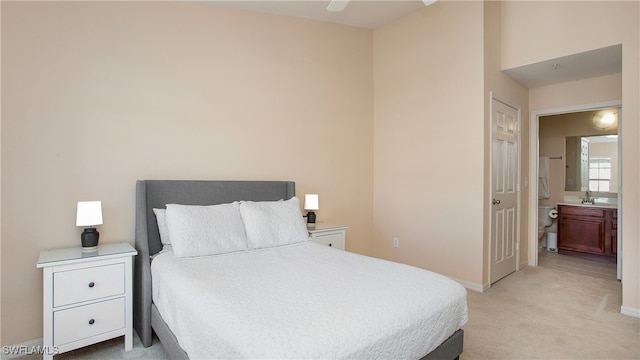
<point x="604" y="120"/>
<point x="310" y="204"/>
<point x="89" y="214"/>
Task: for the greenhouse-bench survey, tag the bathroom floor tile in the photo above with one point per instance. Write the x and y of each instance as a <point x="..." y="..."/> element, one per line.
<point x="577" y="265"/>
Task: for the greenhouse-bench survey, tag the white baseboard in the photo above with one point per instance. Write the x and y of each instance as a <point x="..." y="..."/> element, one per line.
<point x="625" y="310"/>
<point x="22" y="349"/>
<point x="472" y="286"/>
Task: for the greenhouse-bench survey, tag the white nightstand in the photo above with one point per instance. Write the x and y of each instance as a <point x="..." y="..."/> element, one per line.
<point x="87" y="297"/>
<point x="330" y="235"/>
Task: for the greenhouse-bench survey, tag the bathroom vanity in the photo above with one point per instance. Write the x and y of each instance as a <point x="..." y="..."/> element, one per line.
<point x="589" y="230"/>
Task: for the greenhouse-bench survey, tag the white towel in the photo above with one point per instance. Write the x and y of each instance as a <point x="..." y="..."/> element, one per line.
<point x="543" y="177"/>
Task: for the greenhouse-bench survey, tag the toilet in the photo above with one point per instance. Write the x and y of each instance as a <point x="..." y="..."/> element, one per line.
<point x="546" y="226"/>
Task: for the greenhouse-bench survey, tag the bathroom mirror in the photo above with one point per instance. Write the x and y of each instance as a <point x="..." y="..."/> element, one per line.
<point x="591" y="163"/>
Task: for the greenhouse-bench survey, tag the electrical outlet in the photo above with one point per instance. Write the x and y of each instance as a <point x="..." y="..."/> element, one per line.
<point x="396" y="242"/>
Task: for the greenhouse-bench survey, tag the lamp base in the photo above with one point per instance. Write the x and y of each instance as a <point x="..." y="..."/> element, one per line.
<point x="89" y="239"/>
<point x="311" y="217"/>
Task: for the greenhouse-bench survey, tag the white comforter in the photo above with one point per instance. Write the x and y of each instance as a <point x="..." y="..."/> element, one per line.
<point x="304" y="301"/>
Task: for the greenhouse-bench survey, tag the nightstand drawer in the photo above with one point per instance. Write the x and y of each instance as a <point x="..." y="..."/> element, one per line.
<point x="89" y="320"/>
<point x="333" y="239"/>
<point x="89" y="283"/>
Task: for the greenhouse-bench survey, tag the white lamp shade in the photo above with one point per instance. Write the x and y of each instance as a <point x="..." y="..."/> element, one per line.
<point x="311" y="202"/>
<point x="89" y="213"/>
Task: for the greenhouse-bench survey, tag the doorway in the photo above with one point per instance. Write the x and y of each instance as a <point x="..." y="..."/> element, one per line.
<point x="533" y="172"/>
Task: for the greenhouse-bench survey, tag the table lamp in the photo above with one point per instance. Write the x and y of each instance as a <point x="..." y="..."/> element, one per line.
<point x="89" y="214"/>
<point x="311" y="203"/>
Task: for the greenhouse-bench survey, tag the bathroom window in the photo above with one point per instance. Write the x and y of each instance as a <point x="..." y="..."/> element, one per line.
<point x="599" y="174"/>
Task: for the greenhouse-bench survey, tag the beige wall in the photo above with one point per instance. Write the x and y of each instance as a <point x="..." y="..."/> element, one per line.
<point x="497" y="83"/>
<point x="97" y="95"/>
<point x="429" y="114"/>
<point x="569" y="27"/>
<point x="525" y="41"/>
<point x="427" y="178"/>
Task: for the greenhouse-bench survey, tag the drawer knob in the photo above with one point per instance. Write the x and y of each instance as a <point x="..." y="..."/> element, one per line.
<point x="92" y="284"/>
<point x="330" y="244"/>
<point x="91" y="322"/>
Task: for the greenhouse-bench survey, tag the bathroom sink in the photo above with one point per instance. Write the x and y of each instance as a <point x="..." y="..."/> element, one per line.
<point x="604" y="204"/>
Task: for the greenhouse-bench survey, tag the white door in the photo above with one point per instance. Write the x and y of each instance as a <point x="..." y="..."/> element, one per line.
<point x="504" y="189"/>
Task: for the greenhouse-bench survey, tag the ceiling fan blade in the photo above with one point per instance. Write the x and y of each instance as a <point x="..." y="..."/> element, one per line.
<point x="337" y="5"/>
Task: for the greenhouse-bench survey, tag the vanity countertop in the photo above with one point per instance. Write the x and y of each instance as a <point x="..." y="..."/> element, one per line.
<point x="601" y="205"/>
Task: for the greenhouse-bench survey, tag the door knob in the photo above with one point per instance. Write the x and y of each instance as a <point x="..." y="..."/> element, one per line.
<point x="496" y="202"/>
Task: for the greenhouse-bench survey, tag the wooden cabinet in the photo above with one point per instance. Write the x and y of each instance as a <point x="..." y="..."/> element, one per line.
<point x="588" y="230"/>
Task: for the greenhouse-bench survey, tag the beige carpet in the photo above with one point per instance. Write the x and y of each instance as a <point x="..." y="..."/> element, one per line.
<point x="545" y="313"/>
<point x="537" y="313"/>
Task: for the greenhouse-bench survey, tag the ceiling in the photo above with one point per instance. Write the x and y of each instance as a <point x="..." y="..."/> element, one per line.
<point x="368" y="14"/>
<point x="371" y="14"/>
<point x="588" y="64"/>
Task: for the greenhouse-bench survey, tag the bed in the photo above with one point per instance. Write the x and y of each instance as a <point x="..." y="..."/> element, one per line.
<point x="282" y="299"/>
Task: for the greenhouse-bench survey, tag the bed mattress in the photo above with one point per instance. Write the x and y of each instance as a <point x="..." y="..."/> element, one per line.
<point x="304" y="300"/>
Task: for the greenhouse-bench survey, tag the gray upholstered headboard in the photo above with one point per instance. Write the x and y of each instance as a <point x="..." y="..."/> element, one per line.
<point x="152" y="194"/>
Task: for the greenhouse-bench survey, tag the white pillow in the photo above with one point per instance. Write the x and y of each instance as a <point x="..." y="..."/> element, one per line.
<point x="161" y="219"/>
<point x="273" y="223"/>
<point x="205" y="230"/>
